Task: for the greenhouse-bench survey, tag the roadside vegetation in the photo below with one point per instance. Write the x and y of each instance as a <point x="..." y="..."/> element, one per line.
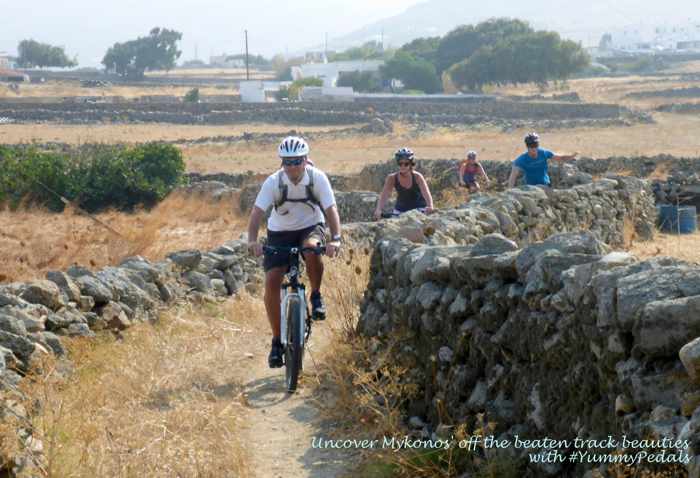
<point x="93" y="177"/>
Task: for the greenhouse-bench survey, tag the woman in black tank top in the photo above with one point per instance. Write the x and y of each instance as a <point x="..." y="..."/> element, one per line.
<point x="411" y="189"/>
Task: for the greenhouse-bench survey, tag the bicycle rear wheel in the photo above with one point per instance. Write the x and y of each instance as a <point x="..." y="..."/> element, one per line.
<point x="293" y="350"/>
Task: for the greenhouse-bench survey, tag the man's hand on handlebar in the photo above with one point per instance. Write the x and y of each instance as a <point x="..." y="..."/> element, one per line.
<point x="332" y="248"/>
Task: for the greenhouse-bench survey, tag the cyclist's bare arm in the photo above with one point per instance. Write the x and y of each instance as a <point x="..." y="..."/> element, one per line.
<point x="334" y="224"/>
<point x="483" y="173"/>
<point x="425" y="191"/>
<point x="564" y="157"/>
<point x="388" y="183"/>
<point x="256" y="216"/>
<point x="514" y="173"/>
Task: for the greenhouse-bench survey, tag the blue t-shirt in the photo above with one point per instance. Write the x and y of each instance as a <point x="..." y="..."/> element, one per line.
<point x="535" y="169"/>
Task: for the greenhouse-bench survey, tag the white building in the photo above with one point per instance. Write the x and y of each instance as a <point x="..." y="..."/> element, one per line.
<point x="221" y="61"/>
<point x="327" y="93"/>
<point x="259" y="91"/>
<point x="329" y="72"/>
<point x="6" y="60"/>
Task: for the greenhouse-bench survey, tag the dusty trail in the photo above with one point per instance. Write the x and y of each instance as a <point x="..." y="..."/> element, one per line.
<point x="279" y="427"/>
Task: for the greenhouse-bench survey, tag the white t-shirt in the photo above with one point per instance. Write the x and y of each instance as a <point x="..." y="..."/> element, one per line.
<point x="293" y="216"/>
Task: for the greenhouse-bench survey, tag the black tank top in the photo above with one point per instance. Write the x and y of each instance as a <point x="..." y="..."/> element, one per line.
<point x="408" y="198"/>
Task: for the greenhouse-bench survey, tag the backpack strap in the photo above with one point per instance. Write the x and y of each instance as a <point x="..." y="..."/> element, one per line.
<point x="283" y="191"/>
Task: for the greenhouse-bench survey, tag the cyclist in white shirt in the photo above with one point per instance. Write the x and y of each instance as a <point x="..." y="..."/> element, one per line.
<point x="302" y="200"/>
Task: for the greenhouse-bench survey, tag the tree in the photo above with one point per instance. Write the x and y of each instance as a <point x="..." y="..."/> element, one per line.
<point x="464" y="41"/>
<point x="157" y="51"/>
<point x="531" y="57"/>
<point x="365" y="81"/>
<point x="371" y="50"/>
<point x="34" y="54"/>
<point x="255" y="60"/>
<point x="423" y="48"/>
<point x="414" y="73"/>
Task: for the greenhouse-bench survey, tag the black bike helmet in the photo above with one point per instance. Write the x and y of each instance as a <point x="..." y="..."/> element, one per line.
<point x="532" y="139"/>
<point x="404" y="153"/>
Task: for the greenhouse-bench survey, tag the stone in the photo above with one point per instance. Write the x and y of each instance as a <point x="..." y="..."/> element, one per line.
<point x="667" y="325"/>
<point x="690" y="357"/>
<point x="187" y="259"/>
<point x="429" y="295"/>
<point x="219" y="287"/>
<point x="54" y="342"/>
<point x="637" y="290"/>
<point x="12" y="324"/>
<point x="86" y="303"/>
<point x="21" y="346"/>
<point x="42" y="292"/>
<point x="93" y="287"/>
<point x="416" y="423"/>
<point x="478" y="397"/>
<point x="114" y="316"/>
<point x="623" y="405"/>
<point x="198" y="281"/>
<point x="65" y="284"/>
<point x="493" y="244"/>
<point x="445" y="355"/>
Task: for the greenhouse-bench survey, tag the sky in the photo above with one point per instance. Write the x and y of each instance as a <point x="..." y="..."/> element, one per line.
<point x="87" y="28"/>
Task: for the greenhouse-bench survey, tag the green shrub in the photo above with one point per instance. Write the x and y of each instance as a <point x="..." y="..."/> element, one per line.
<point x="95" y="176"/>
<point x="192" y="96"/>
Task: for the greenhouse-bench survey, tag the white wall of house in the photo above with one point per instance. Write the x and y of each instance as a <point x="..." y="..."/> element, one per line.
<point x="329" y="72"/>
<point x="256" y="91"/>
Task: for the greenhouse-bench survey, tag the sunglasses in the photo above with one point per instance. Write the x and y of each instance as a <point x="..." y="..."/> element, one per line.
<point x="404" y="163"/>
<point x="531" y="145"/>
<point x="292" y="162"/>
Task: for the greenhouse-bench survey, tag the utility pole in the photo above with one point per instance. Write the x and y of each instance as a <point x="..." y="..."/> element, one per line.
<point x="247" y="71"/>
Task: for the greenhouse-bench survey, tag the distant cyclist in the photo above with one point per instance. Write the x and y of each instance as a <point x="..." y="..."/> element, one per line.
<point x="534" y="164"/>
<point x="412" y="191"/>
<point x="469" y="172"/>
<point x="300" y="195"/>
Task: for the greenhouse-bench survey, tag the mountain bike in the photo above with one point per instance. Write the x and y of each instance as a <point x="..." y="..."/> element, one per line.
<point x="295" y="319"/>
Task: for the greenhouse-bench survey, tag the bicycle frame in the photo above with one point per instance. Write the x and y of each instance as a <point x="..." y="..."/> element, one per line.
<point x="293" y="290"/>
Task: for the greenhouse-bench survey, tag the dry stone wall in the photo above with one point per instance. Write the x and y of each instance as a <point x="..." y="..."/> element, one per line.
<point x="449" y="113"/>
<point x="79" y="302"/>
<point x="539" y="326"/>
<point x="560" y="339"/>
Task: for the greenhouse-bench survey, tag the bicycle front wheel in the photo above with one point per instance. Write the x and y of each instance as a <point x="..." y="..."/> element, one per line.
<point x="293" y="351"/>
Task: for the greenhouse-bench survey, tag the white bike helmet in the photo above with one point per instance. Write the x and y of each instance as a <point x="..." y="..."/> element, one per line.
<point x="293" y="147"/>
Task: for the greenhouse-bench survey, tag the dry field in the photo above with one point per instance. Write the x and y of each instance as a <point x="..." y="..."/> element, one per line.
<point x="137" y="133"/>
<point x="224" y="73"/>
<point x="53" y="89"/>
<point x="33" y="242"/>
<point x="672" y="134"/>
<point x="158" y="400"/>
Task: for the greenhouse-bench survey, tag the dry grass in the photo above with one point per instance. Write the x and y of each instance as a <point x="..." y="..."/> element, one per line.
<point x="132" y="133"/>
<point x="681" y="246"/>
<point x="223" y="73"/>
<point x="33" y="242"/>
<point x="58" y="89"/>
<point x="672" y="135"/>
<point x="162" y="401"/>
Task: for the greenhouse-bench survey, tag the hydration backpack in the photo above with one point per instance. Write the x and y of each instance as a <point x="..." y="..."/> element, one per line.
<point x="283" y="190"/>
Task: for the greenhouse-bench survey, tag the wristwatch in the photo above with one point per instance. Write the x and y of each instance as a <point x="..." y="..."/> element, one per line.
<point x="336" y="238"/>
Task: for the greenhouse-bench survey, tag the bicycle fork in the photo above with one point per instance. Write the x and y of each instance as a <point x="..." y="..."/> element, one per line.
<point x="285" y="298"/>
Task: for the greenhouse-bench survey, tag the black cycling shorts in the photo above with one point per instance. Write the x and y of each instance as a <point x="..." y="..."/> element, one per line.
<point x="291" y="239"/>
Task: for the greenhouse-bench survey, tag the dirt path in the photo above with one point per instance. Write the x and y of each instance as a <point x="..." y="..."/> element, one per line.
<point x="280" y="426"/>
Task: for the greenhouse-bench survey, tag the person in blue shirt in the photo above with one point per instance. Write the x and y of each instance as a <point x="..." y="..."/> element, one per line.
<point x="533" y="164"/>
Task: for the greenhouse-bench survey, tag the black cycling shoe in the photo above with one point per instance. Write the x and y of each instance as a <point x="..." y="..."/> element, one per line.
<point x="318" y="310"/>
<point x="274" y="360"/>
